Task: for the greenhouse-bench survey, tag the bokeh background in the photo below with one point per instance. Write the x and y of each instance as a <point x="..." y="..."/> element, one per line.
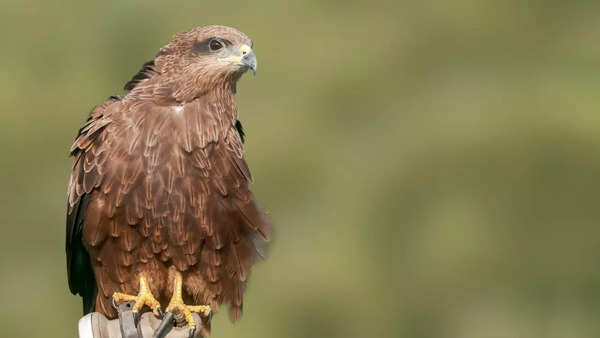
<point x="432" y="167"/>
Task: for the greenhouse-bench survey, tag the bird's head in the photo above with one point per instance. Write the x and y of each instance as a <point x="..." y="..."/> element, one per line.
<point x="207" y="57"/>
<point x="195" y="62"/>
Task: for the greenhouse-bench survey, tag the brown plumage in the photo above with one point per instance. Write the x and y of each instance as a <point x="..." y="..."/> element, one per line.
<point x="160" y="181"/>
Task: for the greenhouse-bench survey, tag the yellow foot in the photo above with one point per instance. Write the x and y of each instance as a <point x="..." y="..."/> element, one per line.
<point x="144" y="297"/>
<point x="176" y="305"/>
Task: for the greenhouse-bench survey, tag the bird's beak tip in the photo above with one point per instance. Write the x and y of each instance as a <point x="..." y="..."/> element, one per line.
<point x="249" y="60"/>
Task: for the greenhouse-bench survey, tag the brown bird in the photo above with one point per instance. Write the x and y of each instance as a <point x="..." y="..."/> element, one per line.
<point x="158" y="201"/>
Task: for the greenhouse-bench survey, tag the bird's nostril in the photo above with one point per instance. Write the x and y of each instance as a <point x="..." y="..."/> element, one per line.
<point x="244" y="52"/>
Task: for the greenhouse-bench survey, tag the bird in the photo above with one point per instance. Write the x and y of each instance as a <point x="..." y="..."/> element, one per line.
<point x="159" y="209"/>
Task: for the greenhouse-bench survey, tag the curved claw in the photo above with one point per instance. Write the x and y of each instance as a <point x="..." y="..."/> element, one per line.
<point x="114" y="304"/>
<point x="165" y="325"/>
<point x="191" y="333"/>
<point x="136" y="317"/>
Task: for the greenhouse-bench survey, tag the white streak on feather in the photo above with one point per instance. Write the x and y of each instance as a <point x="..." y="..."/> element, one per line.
<point x="178" y="109"/>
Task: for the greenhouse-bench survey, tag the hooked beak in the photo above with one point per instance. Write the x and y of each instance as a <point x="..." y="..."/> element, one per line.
<point x="249" y="60"/>
<point x="244" y="56"/>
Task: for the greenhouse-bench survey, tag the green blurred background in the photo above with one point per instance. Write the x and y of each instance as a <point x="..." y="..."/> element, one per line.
<point x="432" y="167"/>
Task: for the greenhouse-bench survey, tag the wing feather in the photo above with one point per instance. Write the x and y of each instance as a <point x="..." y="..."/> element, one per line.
<point x="85" y="177"/>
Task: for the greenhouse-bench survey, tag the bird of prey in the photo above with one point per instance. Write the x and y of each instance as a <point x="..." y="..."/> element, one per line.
<point x="159" y="209"/>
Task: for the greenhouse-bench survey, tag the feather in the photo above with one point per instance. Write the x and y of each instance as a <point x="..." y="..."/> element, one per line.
<point x="144" y="73"/>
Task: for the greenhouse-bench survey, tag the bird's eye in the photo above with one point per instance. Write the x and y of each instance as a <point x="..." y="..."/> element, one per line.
<point x="215" y="45"/>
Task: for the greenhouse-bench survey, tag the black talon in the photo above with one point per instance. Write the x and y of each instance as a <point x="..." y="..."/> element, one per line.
<point x="192" y="331"/>
<point x="165" y="326"/>
<point x="136" y="317"/>
<point x="161" y="314"/>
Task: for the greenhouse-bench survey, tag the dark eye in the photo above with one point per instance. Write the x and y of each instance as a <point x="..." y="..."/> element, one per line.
<point x="215" y="45"/>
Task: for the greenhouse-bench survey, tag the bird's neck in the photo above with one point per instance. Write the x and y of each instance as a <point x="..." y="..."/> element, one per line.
<point x="214" y="85"/>
<point x="186" y="89"/>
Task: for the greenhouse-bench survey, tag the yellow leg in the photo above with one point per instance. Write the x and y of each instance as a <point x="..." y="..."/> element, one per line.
<point x="144" y="297"/>
<point x="187" y="310"/>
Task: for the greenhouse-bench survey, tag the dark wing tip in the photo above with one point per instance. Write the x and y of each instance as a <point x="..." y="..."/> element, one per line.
<point x="146" y="72"/>
<point x="80" y="274"/>
<point x="240" y="129"/>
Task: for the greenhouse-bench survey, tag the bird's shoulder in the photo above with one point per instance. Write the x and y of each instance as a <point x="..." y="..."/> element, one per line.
<point x="98" y="119"/>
